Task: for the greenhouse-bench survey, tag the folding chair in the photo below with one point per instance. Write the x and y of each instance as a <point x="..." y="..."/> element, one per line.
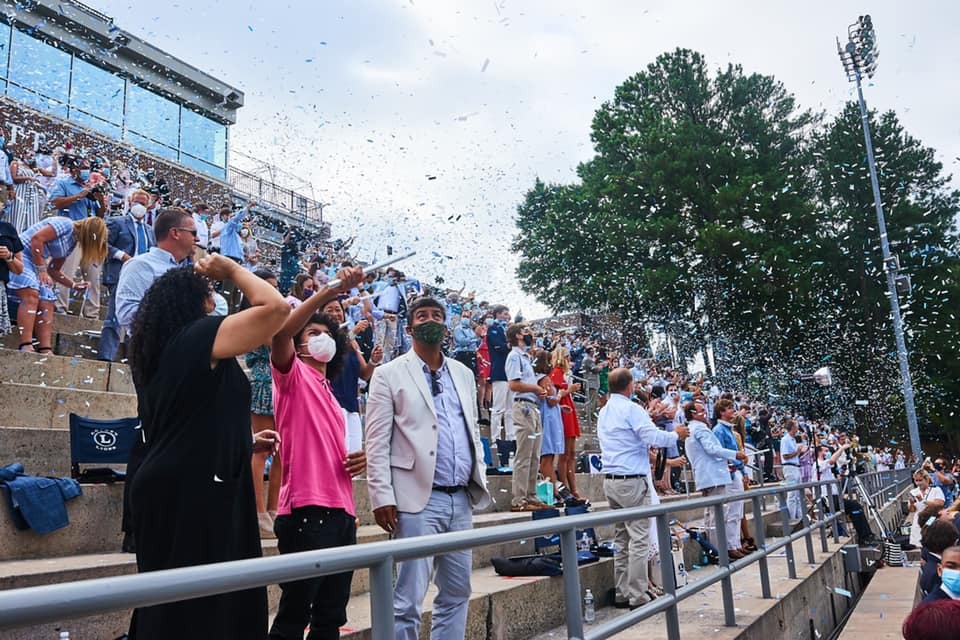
<point x="101" y="442"/>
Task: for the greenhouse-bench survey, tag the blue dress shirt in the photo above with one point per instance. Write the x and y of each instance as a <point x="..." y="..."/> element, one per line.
<point x="136" y="276"/>
<point x="82" y="208"/>
<point x="230" y="243"/>
<point x="454" y="448"/>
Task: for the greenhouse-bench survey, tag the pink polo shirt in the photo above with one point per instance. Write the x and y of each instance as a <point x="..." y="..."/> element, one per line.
<point x="312" y="446"/>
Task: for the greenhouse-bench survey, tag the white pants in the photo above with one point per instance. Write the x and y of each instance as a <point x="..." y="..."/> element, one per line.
<point x="502" y="411"/>
<point x="791" y="475"/>
<point x="386" y="336"/>
<point x="91" y="303"/>
<point x="734" y="511"/>
<point x="709" y="521"/>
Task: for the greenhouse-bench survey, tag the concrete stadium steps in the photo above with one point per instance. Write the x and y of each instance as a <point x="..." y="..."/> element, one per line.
<point x="16" y="574"/>
<point x="884" y="604"/>
<point x="43" y="452"/>
<point x="72" y="335"/>
<point x="500" y="607"/>
<point x="27" y="405"/>
<point x="64" y="372"/>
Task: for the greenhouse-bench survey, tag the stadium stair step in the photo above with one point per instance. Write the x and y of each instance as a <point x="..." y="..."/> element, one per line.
<point x="29" y="405"/>
<point x="66" y="372"/>
<point x="82" y="566"/>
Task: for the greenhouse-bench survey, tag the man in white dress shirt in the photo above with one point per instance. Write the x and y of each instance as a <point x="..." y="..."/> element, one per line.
<point x="626" y="434"/>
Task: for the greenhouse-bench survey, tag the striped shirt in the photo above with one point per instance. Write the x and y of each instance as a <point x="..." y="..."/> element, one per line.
<point x="59" y="247"/>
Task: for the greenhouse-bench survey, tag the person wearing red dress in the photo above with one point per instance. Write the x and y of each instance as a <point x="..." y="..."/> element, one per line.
<point x="485" y="390"/>
<point x="560" y="375"/>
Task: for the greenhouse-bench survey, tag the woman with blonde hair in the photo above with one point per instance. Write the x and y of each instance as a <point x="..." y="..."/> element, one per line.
<point x="47" y="245"/>
<point x="563" y="380"/>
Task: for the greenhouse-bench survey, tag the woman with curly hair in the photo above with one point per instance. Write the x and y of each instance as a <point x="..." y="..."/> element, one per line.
<point x="192" y="498"/>
<point x="48" y="243"/>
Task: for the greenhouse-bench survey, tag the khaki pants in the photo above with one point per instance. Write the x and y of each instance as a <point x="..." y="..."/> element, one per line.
<point x="91" y="304"/>
<point x="632" y="540"/>
<point x="526" y="421"/>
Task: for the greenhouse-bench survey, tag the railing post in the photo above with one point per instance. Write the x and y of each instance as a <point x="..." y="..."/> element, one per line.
<point x="726" y="583"/>
<point x="821" y="508"/>
<point x="759" y="536"/>
<point x="785" y="520"/>
<point x="805" y="522"/>
<point x="571" y="582"/>
<point x="666" y="576"/>
<point x="381" y="600"/>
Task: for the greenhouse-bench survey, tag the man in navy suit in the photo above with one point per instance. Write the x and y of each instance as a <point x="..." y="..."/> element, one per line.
<point x="501" y="413"/>
<point x="128" y="236"/>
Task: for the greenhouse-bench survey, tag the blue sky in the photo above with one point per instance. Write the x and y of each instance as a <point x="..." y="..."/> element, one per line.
<point x="369" y="100"/>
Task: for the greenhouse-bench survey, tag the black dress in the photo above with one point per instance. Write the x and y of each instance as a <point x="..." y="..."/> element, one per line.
<point x="192" y="497"/>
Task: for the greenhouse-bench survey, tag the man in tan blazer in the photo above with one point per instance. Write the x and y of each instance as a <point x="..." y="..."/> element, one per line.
<point x="425" y="470"/>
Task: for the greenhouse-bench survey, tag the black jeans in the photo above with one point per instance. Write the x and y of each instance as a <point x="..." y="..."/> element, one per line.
<point x="855" y="512"/>
<point x="320" y="601"/>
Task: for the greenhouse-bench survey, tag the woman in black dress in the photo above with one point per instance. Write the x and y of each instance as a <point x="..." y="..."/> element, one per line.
<point x="192" y="497"/>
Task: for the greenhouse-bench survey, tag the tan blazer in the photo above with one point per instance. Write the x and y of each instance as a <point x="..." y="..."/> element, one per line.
<point x="401" y="438"/>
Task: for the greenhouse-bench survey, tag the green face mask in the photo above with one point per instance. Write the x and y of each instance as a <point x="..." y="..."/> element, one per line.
<point x="430" y="332"/>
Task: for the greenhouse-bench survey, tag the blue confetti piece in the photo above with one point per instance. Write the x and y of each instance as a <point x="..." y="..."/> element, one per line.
<point x="250" y="28"/>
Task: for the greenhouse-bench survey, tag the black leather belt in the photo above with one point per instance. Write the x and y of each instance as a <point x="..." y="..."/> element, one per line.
<point x="449" y="490"/>
<point x="789" y="464"/>
<point x="612" y="476"/>
<point x="525" y="400"/>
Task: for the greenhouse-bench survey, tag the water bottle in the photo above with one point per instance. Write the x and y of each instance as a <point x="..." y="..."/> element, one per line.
<point x="584" y="544"/>
<point x="589" y="612"/>
<point x="64" y="635"/>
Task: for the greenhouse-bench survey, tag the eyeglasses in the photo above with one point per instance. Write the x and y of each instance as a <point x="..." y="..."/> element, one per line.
<point x="193" y="231"/>
<point x="435" y="387"/>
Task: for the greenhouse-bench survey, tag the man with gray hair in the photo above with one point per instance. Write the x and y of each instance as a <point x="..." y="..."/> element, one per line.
<point x="709" y="460"/>
<point x="626" y="434"/>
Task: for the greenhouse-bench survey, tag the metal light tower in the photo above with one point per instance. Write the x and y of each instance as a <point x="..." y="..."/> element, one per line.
<point x="859" y="57"/>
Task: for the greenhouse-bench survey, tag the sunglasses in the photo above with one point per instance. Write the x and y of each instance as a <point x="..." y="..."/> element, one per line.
<point x="193" y="231"/>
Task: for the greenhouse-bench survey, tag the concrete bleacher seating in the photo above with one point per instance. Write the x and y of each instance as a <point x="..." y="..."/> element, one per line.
<point x="37" y="393"/>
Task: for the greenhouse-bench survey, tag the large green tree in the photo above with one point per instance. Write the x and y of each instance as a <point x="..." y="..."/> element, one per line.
<point x="718" y="212"/>
<point x="692" y="216"/>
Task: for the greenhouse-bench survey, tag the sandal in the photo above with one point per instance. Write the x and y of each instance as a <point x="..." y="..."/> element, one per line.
<point x="45" y="350"/>
<point x="26" y="344"/>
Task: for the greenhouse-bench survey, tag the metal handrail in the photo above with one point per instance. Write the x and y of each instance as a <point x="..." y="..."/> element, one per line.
<point x="34" y="605"/>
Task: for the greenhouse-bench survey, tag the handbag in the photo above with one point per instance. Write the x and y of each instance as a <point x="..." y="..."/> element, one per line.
<point x="535" y="565"/>
<point x="892" y="554"/>
<point x="545" y="492"/>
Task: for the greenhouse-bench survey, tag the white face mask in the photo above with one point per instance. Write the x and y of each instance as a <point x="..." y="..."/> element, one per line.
<point x="322" y="347"/>
<point x="244" y="233"/>
<point x="138" y="211"/>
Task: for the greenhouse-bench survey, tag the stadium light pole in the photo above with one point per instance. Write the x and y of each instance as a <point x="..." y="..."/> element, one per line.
<point x="859" y="58"/>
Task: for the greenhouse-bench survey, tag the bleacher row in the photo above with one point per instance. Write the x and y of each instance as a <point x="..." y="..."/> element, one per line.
<point x="37" y="395"/>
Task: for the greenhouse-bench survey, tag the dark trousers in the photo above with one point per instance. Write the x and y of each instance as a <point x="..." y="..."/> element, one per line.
<point x="320" y="601"/>
<point x="468" y="359"/>
<point x="854" y="510"/>
<point x="110" y="332"/>
<point x="768" y="463"/>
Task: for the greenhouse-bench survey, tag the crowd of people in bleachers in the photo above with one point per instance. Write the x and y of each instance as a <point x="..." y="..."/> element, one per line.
<point x="351" y="379"/>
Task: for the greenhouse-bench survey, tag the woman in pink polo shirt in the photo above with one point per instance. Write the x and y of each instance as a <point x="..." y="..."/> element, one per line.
<point x="315" y="510"/>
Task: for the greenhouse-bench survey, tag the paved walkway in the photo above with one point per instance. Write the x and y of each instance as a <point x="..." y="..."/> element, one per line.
<point x="884" y="605"/>
<point x="701" y="615"/>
